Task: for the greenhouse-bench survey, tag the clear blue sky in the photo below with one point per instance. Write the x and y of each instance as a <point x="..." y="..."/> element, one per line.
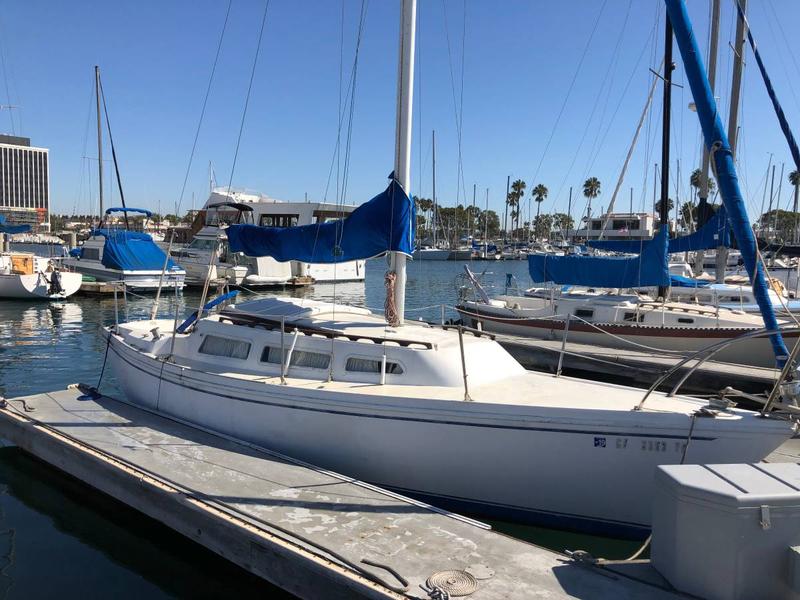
<point x="520" y="57"/>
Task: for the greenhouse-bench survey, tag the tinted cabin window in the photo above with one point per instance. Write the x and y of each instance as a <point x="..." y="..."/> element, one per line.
<point x="632" y="316"/>
<point x="367" y="365"/>
<point x="685" y="320"/>
<point x="224" y="347"/>
<point x="584" y="313"/>
<point x="300" y="358"/>
<point x="278" y="220"/>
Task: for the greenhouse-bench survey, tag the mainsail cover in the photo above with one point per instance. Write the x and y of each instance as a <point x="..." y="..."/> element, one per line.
<point x="384" y="224"/>
<point x="714" y="233"/>
<point x="650" y="268"/>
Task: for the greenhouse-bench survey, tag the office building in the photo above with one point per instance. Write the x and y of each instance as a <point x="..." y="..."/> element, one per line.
<point x="24" y="182"/>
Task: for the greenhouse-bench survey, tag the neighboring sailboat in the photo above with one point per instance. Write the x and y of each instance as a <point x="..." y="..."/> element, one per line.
<point x="435" y="412"/>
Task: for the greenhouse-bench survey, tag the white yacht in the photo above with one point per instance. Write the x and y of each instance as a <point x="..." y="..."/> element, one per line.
<point x="209" y="255"/>
<point x="114" y="253"/>
<point x="269" y="212"/>
<point x="24" y="275"/>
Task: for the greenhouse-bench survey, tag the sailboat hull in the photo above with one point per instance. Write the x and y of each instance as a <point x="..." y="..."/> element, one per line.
<point x="754" y="351"/>
<point x="585" y="470"/>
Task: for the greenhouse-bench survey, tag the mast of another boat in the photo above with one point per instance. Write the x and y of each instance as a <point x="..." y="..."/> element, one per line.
<point x="433" y="171"/>
<point x="663" y="213"/>
<point x="713" y="51"/>
<point x="733" y="117"/>
<point x="402" y="158"/>
<point x="99" y="138"/>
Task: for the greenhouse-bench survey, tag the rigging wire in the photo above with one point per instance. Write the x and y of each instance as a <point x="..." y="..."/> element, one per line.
<point x="113" y="152"/>
<point x="458" y="106"/>
<point x="203" y="109"/>
<point x="249" y="90"/>
<point x="569" y="90"/>
<point x="5" y="81"/>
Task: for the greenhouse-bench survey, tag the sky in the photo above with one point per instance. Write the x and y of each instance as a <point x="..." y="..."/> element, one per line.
<point x="547" y="91"/>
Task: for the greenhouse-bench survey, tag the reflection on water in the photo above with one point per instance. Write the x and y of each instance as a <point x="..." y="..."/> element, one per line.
<point x="93" y="546"/>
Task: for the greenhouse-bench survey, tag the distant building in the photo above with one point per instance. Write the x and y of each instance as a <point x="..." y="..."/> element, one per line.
<point x="24" y="182"/>
<point x="620" y="226"/>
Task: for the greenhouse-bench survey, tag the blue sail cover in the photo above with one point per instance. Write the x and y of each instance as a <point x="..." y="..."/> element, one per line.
<point x="714" y="233"/>
<point x="717" y="142"/>
<point x="12" y="229"/>
<point x="384" y="224"/>
<point x="132" y="251"/>
<point x="651" y="267"/>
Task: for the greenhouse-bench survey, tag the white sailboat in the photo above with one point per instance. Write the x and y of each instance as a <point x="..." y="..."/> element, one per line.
<point x="430" y="411"/>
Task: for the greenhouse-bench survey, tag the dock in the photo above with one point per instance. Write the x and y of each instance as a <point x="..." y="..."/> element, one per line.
<point x="634" y="367"/>
<point x="100" y="288"/>
<point x="313" y="533"/>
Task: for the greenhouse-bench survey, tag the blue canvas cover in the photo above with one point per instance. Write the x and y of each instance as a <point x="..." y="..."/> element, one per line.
<point x="385" y="223"/>
<point x="722" y="157"/>
<point x="651" y="267"/>
<point x="714" y="233"/>
<point x="125" y="209"/>
<point x="12" y="229"/>
<point x="681" y="281"/>
<point x="132" y="251"/>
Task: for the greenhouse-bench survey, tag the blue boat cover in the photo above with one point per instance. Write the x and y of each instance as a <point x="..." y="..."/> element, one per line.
<point x="722" y="156"/>
<point x="651" y="267"/>
<point x="124" y="209"/>
<point x="12" y="229"/>
<point x="714" y="233"/>
<point x="132" y="251"/>
<point x="681" y="281"/>
<point x="384" y="224"/>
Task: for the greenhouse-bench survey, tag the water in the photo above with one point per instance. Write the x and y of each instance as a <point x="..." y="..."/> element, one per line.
<point x="46" y="516"/>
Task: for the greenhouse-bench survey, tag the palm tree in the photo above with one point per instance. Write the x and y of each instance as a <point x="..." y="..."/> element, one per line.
<point x="539" y="193"/>
<point x="518" y="191"/>
<point x="591" y="190"/>
<point x="794" y="179"/>
<point x="695" y="182"/>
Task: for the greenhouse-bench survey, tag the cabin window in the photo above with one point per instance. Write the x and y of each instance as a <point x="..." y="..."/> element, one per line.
<point x="224" y="347"/>
<point x="368" y="365"/>
<point x="685" y="320"/>
<point x="584" y="313"/>
<point x="300" y="358"/>
<point x="90" y="253"/>
<point x="202" y="244"/>
<point x="632" y="316"/>
<point x="278" y="220"/>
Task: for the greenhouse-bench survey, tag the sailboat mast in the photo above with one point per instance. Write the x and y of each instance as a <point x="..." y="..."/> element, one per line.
<point x="433" y="170"/>
<point x="663" y="213"/>
<point x="712" y="76"/>
<point x="99" y="137"/>
<point x="733" y="118"/>
<point x="402" y="157"/>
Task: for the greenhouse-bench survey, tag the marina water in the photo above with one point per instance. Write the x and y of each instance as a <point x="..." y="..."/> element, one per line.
<point x="46" y="516"/>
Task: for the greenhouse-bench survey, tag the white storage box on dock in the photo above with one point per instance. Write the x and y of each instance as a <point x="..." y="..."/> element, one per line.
<point x="727" y="531"/>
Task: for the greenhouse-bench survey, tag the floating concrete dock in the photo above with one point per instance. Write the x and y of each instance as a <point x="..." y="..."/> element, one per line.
<point x="311" y="532"/>
<point x="635" y="367"/>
